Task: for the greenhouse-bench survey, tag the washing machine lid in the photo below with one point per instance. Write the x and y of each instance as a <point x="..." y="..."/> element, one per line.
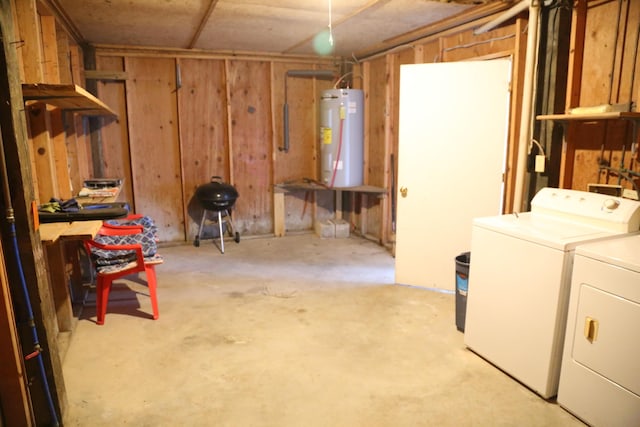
<point x="621" y="251"/>
<point x="545" y="230"/>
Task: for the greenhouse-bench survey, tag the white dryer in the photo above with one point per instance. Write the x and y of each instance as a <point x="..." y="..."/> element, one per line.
<point x="600" y="377"/>
<point x="519" y="279"/>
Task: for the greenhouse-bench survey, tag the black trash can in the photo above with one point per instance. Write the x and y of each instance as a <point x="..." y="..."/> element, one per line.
<point x="462" y="286"/>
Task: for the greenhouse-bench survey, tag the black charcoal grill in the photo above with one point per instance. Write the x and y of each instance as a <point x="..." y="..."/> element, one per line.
<point x="219" y="198"/>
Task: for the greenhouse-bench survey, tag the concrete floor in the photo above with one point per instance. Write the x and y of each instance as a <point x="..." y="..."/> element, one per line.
<point x="295" y="331"/>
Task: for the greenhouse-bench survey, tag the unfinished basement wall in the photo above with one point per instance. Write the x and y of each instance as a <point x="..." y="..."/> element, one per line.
<point x="47" y="54"/>
<point x="381" y="80"/>
<point x="188" y="118"/>
<point x="604" y="68"/>
<point x="36" y="51"/>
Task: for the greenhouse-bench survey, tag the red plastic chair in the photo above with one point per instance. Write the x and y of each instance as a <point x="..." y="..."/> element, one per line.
<point x="106" y="274"/>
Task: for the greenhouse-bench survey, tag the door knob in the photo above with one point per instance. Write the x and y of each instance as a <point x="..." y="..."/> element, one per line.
<point x="403" y="191"/>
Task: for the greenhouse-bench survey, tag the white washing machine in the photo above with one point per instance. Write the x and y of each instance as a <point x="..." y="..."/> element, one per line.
<point x="600" y="376"/>
<point x="519" y="279"/>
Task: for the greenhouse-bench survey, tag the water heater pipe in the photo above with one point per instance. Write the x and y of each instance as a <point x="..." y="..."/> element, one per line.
<point x="533" y="36"/>
<point x="37" y="348"/>
<point x="318" y="74"/>
<point x="337" y="162"/>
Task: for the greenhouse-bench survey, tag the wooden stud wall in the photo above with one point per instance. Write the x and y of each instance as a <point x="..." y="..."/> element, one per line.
<point x="202" y="106"/>
<point x="152" y="113"/>
<point x="249" y="101"/>
<point x="226" y="119"/>
<point x="116" y="158"/>
<point x="377" y="109"/>
<point x="23" y="51"/>
<point x="229" y="123"/>
<point x="382" y="82"/>
<point x="607" y="70"/>
<point x="301" y="161"/>
<point x="251" y="137"/>
<point x="246" y="115"/>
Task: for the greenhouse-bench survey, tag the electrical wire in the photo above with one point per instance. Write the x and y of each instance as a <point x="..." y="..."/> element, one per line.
<point x="533" y="140"/>
<point x="330" y="25"/>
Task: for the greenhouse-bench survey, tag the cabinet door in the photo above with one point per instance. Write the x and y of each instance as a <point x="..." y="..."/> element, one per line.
<point x="452" y="142"/>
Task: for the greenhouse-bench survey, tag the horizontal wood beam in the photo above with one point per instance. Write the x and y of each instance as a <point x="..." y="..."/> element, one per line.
<point x="105" y="75"/>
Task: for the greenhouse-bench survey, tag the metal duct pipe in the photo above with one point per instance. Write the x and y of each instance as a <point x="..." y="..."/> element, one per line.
<point x="318" y="74"/>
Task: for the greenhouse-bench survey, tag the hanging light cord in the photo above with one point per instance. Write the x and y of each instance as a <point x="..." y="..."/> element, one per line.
<point x="330" y="26"/>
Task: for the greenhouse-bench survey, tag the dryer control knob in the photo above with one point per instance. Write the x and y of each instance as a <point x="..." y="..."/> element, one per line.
<point x="611" y="204"/>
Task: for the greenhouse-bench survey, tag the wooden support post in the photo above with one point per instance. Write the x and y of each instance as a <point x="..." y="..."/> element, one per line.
<point x="59" y="285"/>
<point x="574" y="75"/>
<point x="58" y="144"/>
<point x="43" y="153"/>
<point x="89" y="54"/>
<point x="230" y="126"/>
<point x="51" y="69"/>
<point x="389" y="133"/>
<point x="278" y="214"/>
<point x="16" y="147"/>
<point x="30" y="38"/>
<point x="338" y="214"/>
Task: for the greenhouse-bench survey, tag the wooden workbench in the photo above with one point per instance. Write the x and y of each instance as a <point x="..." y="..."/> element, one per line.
<point x="280" y="190"/>
<point x="63" y="265"/>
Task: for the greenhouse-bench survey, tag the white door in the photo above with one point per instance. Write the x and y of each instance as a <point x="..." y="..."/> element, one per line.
<point x="452" y="143"/>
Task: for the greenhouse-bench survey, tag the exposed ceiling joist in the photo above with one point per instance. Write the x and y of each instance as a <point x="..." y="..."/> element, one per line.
<point x="203" y="23"/>
<point x="269" y="27"/>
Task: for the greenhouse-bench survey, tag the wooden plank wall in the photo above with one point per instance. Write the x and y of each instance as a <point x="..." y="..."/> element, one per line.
<point x="202" y="105"/>
<point x="235" y="104"/>
<point x="609" y="69"/>
<point x="116" y="158"/>
<point x="377" y="151"/>
<point x="301" y="161"/>
<point x="251" y="138"/>
<point x="152" y="112"/>
<point x="227" y="122"/>
<point x="381" y="80"/>
<point x="23" y="61"/>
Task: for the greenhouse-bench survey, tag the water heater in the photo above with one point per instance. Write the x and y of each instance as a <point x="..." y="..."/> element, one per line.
<point x="342" y="137"/>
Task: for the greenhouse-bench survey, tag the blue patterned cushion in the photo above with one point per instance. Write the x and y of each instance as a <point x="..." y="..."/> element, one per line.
<point x="148" y="239"/>
<point x="104" y="257"/>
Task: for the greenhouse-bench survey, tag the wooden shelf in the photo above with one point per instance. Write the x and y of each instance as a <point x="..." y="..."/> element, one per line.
<point x="280" y="190"/>
<point x="307" y="186"/>
<point x="612" y="115"/>
<point x="67" y="97"/>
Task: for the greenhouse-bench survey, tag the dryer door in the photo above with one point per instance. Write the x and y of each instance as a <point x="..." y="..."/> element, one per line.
<point x="606" y="336"/>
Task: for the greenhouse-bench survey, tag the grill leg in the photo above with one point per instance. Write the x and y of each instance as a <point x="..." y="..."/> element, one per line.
<point x="220" y="228"/>
<point x="196" y="243"/>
